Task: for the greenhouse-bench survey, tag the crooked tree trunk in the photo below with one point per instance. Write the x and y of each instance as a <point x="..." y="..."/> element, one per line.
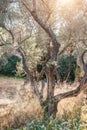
<point x="50" y="105"/>
<point x="50" y="108"/>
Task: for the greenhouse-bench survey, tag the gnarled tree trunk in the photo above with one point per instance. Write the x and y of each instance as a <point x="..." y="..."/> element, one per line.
<point x="50" y="105"/>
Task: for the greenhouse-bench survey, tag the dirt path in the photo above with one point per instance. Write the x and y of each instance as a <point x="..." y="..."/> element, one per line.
<point x="9" y="89"/>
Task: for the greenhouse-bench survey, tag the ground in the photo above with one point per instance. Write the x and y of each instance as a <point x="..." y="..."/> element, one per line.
<point x="18" y="103"/>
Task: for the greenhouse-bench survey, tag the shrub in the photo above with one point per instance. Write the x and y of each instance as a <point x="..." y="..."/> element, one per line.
<point x="64" y="65"/>
<point x="9" y="68"/>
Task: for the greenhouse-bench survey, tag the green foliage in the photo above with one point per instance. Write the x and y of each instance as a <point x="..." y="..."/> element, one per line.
<point x="63" y="68"/>
<point x="9" y="68"/>
<point x="74" y="124"/>
<point x="39" y="67"/>
<point x="70" y="120"/>
<point x="50" y="124"/>
<point x="64" y="65"/>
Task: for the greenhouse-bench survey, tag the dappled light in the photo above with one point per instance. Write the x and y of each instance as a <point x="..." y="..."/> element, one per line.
<point x="43" y="64"/>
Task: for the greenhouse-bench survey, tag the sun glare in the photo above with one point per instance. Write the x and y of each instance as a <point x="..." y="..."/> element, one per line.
<point x="65" y="2"/>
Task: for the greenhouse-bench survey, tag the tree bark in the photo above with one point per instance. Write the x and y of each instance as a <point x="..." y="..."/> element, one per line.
<point x="50" y="106"/>
<point x="69" y="68"/>
<point x="73" y="93"/>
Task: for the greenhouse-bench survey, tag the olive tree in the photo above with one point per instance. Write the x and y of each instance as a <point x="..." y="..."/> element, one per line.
<point x="42" y="14"/>
<point x="49" y="66"/>
<point x="73" y="33"/>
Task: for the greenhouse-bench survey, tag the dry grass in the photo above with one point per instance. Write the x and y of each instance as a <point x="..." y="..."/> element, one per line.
<point x="18" y="104"/>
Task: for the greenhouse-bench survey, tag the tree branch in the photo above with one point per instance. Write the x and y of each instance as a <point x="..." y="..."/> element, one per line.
<point x="83" y="85"/>
<point x="3" y="41"/>
<point x="48" y="30"/>
<point x="25" y="67"/>
<point x="82" y="57"/>
<point x="10" y="33"/>
<point x="69" y="43"/>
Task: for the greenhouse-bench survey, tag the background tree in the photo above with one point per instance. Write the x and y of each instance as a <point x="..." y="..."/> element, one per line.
<point x="73" y="32"/>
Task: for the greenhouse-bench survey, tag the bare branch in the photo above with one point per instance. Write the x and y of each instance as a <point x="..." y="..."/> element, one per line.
<point x="42" y="87"/>
<point x="48" y="30"/>
<point x="21" y="42"/>
<point x="26" y="68"/>
<point x="10" y="34"/>
<point x="73" y="93"/>
<point x="69" y="43"/>
<point x="82" y="56"/>
<point x="69" y="66"/>
<point x="49" y="12"/>
<point x="34" y="5"/>
<point x="3" y="41"/>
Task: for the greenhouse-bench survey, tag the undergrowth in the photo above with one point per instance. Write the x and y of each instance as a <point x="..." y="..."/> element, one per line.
<point x="50" y="124"/>
<point x="68" y="121"/>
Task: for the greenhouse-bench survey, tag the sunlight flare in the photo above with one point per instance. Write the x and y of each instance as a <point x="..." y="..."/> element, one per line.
<point x="65" y="2"/>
